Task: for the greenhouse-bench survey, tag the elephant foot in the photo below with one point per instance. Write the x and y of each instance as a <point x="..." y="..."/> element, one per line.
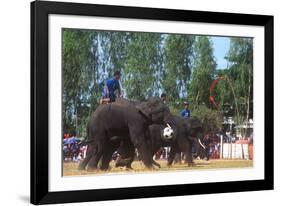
<point x="191" y="164"/>
<point x="105" y="168"/>
<point x="92" y="169"/>
<point x="81" y="167"/>
<point x="129" y="168"/>
<point x="123" y="162"/>
<point x="150" y="167"/>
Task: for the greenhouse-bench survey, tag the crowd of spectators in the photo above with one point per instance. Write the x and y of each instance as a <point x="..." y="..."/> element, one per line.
<point x="72" y="150"/>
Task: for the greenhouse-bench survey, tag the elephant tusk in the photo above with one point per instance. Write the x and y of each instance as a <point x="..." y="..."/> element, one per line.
<point x="201" y="143"/>
<point x="169" y="126"/>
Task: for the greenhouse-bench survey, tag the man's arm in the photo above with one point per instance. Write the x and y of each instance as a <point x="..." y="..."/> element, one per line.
<point x="182" y="113"/>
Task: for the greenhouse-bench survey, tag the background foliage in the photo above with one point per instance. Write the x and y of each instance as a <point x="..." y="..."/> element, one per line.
<point x="182" y="66"/>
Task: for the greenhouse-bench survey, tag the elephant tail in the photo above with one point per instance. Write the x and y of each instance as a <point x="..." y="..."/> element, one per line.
<point x="87" y="140"/>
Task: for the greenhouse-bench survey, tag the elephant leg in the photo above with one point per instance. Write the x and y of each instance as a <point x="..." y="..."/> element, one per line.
<point x="130" y="153"/>
<point x="207" y="153"/>
<point x="172" y="155"/>
<point x="84" y="162"/>
<point x="106" y="157"/>
<point x="180" y="157"/>
<point x="93" y="163"/>
<point x="186" y="149"/>
<point x="139" y="141"/>
<point x="145" y="154"/>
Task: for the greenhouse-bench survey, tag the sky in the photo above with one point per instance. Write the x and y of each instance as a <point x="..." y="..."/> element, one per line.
<point x="221" y="46"/>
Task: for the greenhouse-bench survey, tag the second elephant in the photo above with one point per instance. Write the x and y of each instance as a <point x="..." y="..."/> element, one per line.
<point x="186" y="133"/>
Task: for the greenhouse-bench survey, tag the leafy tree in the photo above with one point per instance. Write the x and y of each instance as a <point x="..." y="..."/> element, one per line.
<point x="114" y="51"/>
<point x="77" y="70"/>
<point x="203" y="71"/>
<point x="211" y="119"/>
<point x="178" y="53"/>
<point x="141" y="66"/>
<point x="237" y="88"/>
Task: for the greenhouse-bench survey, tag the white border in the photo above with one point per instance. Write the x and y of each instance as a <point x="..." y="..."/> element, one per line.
<point x="59" y="183"/>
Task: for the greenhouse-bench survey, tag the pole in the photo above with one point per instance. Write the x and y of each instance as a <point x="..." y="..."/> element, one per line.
<point x="230" y="140"/>
<point x="221" y="147"/>
<point x="76" y="125"/>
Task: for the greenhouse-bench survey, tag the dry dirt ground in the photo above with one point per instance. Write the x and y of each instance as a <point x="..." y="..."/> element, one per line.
<point x="70" y="168"/>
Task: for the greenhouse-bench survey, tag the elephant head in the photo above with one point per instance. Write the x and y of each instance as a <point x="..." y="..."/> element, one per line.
<point x="155" y="110"/>
<point x="194" y="127"/>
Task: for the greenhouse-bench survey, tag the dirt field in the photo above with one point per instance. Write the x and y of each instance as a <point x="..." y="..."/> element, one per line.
<point x="70" y="168"/>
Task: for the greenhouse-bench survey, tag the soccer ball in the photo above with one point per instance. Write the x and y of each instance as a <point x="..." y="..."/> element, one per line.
<point x="168" y="132"/>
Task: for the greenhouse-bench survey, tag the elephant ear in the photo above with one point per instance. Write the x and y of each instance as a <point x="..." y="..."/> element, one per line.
<point x="145" y="109"/>
<point x="194" y="122"/>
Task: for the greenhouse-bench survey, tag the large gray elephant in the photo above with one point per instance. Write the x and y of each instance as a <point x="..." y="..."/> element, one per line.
<point x="123" y="121"/>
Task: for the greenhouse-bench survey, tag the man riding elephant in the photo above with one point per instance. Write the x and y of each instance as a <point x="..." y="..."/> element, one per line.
<point x="111" y="89"/>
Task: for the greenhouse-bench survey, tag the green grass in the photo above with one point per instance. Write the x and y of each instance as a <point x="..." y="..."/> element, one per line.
<point x="70" y="168"/>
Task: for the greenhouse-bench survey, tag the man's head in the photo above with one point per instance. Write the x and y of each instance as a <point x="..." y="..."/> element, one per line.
<point x="186" y="104"/>
<point x="117" y="74"/>
<point x="163" y="97"/>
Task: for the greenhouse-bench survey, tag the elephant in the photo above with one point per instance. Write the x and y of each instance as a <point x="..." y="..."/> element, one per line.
<point x="196" y="132"/>
<point x="186" y="132"/>
<point x="123" y="121"/>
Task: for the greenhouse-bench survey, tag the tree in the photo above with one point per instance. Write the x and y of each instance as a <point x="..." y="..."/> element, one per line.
<point x="203" y="72"/>
<point x="237" y="89"/>
<point x="239" y="76"/>
<point x="211" y="119"/>
<point x="178" y="54"/>
<point x="141" y="70"/>
<point x="80" y="76"/>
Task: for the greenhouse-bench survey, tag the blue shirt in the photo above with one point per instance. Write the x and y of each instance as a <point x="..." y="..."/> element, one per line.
<point x="111" y="86"/>
<point x="185" y="113"/>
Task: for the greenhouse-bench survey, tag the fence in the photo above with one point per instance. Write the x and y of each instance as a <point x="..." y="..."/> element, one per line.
<point x="235" y="151"/>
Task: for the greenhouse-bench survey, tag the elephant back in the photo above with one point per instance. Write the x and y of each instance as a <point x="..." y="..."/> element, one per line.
<point x="127" y="102"/>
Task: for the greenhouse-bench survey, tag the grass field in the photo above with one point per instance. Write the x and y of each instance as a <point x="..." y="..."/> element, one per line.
<point x="70" y="168"/>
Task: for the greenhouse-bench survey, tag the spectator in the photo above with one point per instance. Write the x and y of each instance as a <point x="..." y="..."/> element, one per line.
<point x="65" y="136"/>
<point x="185" y="113"/>
<point x="111" y="89"/>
